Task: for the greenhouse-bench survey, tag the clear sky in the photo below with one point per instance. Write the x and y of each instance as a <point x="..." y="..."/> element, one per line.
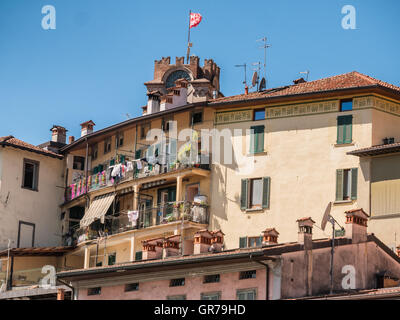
<point x="94" y="64"/>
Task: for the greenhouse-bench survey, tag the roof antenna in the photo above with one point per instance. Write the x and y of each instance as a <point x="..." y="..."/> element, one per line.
<point x="255" y="80"/>
<point x="265" y="46"/>
<point x="307" y="72"/>
<point x="244" y="65"/>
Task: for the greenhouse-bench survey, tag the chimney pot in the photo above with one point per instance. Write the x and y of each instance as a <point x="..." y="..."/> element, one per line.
<point x="59" y="134"/>
<point x="87" y="128"/>
<point x="305" y="232"/>
<point x="270" y="236"/>
<point x="356" y="225"/>
<point x="71" y="139"/>
<point x="246" y="90"/>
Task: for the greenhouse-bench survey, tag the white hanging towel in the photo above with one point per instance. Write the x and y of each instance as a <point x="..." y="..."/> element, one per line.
<point x="133" y="216"/>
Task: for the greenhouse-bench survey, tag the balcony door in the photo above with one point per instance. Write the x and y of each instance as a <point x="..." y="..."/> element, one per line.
<point x="165" y="197"/>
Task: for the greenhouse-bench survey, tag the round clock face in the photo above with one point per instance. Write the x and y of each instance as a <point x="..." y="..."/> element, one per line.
<point x="178" y="74"/>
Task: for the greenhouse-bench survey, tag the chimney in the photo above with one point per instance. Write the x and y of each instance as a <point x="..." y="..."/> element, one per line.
<point x="398" y="251"/>
<point x="246" y="90"/>
<point x="270" y="236"/>
<point x="305" y="232"/>
<point x="71" y="139"/>
<point x="153" y="102"/>
<point x="356" y="225"/>
<point x="202" y="241"/>
<point x="87" y="128"/>
<point x="217" y="241"/>
<point x="300" y="80"/>
<point x="171" y="246"/>
<point x="152" y="248"/>
<point x="59" y="134"/>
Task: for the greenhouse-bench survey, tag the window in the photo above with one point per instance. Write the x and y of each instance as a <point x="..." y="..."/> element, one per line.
<point x="259" y="114"/>
<point x="197" y="117"/>
<point x="94" y="291"/>
<point x="179" y="297"/>
<point x="255" y="241"/>
<point x="246" y="294"/>
<point x="131" y="287"/>
<point x="177" y="282"/>
<point x="138" y="154"/>
<point x="211" y="296"/>
<point x="144" y="129"/>
<point x="107" y="145"/>
<point x="251" y="274"/>
<point x="257" y="139"/>
<point x="344" y="129"/>
<point x="112" y="257"/>
<point x="138" y="256"/>
<point x="346" y="105"/>
<point x="95" y="149"/>
<point x="99" y="264"/>
<point x="255" y="193"/>
<point x="211" y="278"/>
<point x="30" y="179"/>
<point x="167" y="124"/>
<point x="346" y="184"/>
<point x="120" y="139"/>
<point x="79" y="163"/>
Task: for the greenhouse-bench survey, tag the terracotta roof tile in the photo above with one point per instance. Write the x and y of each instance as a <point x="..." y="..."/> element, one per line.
<point x="344" y="81"/>
<point x="14" y="142"/>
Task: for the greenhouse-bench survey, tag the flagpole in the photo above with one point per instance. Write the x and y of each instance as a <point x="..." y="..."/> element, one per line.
<point x="188" y="48"/>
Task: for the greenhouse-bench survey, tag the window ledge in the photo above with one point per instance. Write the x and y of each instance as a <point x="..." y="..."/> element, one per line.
<point x="344" y="201"/>
<point x="254" y="210"/>
<point x="344" y="144"/>
<point x="30" y="189"/>
<point x="262" y="153"/>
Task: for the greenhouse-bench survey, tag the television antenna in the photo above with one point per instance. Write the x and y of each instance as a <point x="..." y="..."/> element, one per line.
<point x="265" y="46"/>
<point x="328" y="218"/>
<point x="307" y="72"/>
<point x="244" y="65"/>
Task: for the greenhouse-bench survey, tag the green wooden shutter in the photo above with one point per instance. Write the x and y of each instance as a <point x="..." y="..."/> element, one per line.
<point x="339" y="184"/>
<point x="112" y="162"/>
<point x="138" y="256"/>
<point x="257" y="139"/>
<point x="259" y="241"/>
<point x="266" y="192"/>
<point x="244" y="194"/>
<point x="344" y="129"/>
<point x="138" y="154"/>
<point x="122" y="158"/>
<point x="243" y="242"/>
<point x="354" y="176"/>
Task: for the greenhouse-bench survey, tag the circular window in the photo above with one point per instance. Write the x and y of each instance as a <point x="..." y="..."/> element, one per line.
<point x="178" y="74"/>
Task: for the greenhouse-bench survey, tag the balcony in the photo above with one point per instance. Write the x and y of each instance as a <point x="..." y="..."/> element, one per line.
<point x="104" y="179"/>
<point x="154" y="216"/>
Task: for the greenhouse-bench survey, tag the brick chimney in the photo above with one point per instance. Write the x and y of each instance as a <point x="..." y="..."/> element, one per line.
<point x="217" y="241"/>
<point x="171" y="246"/>
<point x="152" y="248"/>
<point x="202" y="241"/>
<point x="71" y="139"/>
<point x="356" y="225"/>
<point x="305" y="232"/>
<point x="58" y="134"/>
<point x="87" y="128"/>
<point x="270" y="236"/>
<point x="153" y="102"/>
<point x="398" y="251"/>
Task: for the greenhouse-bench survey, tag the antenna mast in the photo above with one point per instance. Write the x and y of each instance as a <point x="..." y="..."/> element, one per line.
<point x="265" y="46"/>
<point x="307" y="72"/>
<point x="244" y="65"/>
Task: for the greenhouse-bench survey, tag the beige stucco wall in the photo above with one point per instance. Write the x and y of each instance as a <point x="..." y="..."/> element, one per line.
<point x="301" y="159"/>
<point x="39" y="207"/>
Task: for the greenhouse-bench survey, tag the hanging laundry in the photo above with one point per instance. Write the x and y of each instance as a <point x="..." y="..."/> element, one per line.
<point x="116" y="171"/>
<point x="133" y="216"/>
<point x="129" y="166"/>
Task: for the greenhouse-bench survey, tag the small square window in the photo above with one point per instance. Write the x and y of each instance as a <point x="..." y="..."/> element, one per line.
<point x="131" y="287"/>
<point x="197" y="117"/>
<point x="211" y="278"/>
<point x="94" y="291"/>
<point x="211" y="296"/>
<point x="107" y="145"/>
<point x="112" y="257"/>
<point x="246" y="294"/>
<point x="120" y="139"/>
<point x="79" y="163"/>
<point x="251" y="274"/>
<point x="259" y="114"/>
<point x="177" y="282"/>
<point x="179" y="297"/>
<point x="346" y="105"/>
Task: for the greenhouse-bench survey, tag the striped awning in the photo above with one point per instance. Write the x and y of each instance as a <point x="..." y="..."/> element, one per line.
<point x="98" y="208"/>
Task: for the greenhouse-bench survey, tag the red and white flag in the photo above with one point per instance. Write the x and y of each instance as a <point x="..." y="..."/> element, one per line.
<point x="195" y="19"/>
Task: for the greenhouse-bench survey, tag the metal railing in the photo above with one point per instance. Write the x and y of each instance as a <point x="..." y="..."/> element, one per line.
<point x="153" y="216"/>
<point x="103" y="179"/>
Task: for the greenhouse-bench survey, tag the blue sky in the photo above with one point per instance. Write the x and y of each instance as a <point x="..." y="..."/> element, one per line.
<point x="94" y="64"/>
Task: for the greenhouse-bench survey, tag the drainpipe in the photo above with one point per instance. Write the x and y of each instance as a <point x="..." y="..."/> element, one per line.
<point x="266" y="276"/>
<point x="69" y="286"/>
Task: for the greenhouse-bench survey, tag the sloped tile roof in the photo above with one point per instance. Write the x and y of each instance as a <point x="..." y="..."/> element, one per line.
<point x="344" y="81"/>
<point x="16" y="143"/>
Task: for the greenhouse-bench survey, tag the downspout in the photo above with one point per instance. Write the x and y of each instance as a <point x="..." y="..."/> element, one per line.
<point x="266" y="276"/>
<point x="69" y="286"/>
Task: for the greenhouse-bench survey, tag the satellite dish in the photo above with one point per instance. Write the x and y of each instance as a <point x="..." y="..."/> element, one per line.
<point x="326" y="216"/>
<point x="262" y="84"/>
<point x="254" y="80"/>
